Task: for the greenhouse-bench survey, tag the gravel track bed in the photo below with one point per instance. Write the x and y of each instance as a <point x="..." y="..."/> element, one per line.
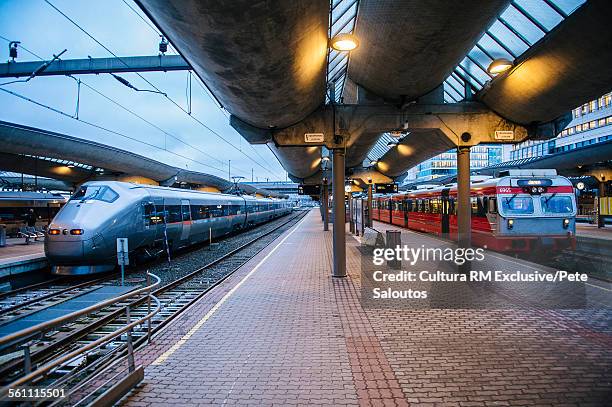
<point x="186" y="262"/>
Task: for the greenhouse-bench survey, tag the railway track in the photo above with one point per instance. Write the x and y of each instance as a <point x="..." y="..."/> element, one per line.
<point x="183" y="285"/>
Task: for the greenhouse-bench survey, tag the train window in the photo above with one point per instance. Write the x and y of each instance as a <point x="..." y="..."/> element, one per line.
<point x="96" y="193"/>
<point x="426" y="206"/>
<point x="408" y="205"/>
<point x="150" y="215"/>
<point x="474" y="205"/>
<point x="216" y="211"/>
<point x="174" y="213"/>
<point x="435" y="205"/>
<point x="451" y="206"/>
<point x="557" y="204"/>
<point x="199" y="212"/>
<point x="514" y="205"/>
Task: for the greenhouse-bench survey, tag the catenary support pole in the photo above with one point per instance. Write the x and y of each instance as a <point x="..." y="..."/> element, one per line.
<point x="339" y="237"/>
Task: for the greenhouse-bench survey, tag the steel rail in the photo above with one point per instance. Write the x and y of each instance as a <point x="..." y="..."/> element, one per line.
<point x="56" y="362"/>
<point x="44" y="326"/>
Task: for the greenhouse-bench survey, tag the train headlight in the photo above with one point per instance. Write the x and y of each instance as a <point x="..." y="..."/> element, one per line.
<point x="54" y="231"/>
<point x="566" y="223"/>
<point x="510" y="223"/>
<point x="76" y="231"/>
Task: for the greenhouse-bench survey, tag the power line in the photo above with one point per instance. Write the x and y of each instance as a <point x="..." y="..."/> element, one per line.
<point x="147" y="22"/>
<point x="149" y="122"/>
<point x="105" y="129"/>
<point x="155" y="87"/>
<point x="142" y="18"/>
<point x="140" y="117"/>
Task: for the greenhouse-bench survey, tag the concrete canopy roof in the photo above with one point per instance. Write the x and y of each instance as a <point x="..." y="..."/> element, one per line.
<point x="18" y="140"/>
<point x="264" y="60"/>
<point x="542" y="86"/>
<point x="411" y="150"/>
<point x="408" y="47"/>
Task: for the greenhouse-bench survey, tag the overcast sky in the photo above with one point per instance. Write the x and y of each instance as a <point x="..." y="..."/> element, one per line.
<point x="44" y="31"/>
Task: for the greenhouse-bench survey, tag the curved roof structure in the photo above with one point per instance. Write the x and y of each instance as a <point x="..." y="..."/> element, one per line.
<point x="75" y="160"/>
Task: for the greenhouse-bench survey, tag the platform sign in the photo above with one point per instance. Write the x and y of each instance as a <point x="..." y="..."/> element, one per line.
<point x="309" y="189"/>
<point x="314" y="138"/>
<point x="123" y="257"/>
<point x="390" y="188"/>
<point x="504" y="134"/>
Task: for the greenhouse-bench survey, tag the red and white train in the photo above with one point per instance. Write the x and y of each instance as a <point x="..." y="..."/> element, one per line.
<point x="519" y="212"/>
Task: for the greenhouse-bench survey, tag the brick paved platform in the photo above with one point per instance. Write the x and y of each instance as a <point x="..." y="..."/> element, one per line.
<point x="281" y="331"/>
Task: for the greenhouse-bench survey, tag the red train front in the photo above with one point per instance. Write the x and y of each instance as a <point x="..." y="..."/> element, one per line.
<point x="519" y="212"/>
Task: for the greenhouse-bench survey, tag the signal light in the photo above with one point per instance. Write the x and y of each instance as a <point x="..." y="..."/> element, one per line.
<point x="54" y="231"/>
<point x="510" y="223"/>
<point x="566" y="223"/>
<point x="76" y="231"/>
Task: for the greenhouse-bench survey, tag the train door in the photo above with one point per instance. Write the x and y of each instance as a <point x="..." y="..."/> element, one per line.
<point x="445" y="212"/>
<point x="186" y="219"/>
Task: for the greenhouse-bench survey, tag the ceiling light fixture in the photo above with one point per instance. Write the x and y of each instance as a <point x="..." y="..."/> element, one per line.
<point x="344" y="42"/>
<point x="499" y="65"/>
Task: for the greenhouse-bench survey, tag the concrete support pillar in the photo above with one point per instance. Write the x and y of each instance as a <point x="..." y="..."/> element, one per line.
<point x="339" y="214"/>
<point x="369" y="222"/>
<point x="464" y="209"/>
<point x="601" y="194"/>
<point x="324" y="205"/>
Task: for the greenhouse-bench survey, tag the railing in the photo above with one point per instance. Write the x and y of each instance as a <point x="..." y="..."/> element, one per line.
<point x="45" y="326"/>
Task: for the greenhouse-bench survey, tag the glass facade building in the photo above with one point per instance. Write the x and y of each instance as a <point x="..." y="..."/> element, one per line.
<point x="446" y="163"/>
<point x="591" y="124"/>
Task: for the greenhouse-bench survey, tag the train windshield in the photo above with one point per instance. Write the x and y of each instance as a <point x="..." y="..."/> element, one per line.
<point x="557" y="204"/>
<point x="95" y="193"/>
<point x="517" y="205"/>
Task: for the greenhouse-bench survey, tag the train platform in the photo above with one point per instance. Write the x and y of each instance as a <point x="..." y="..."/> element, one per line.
<point x="592" y="231"/>
<point x="282" y="331"/>
<point x="18" y="257"/>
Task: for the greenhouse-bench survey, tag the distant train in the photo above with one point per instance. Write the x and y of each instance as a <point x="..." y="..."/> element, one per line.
<point x="81" y="239"/>
<point x="520" y="212"/>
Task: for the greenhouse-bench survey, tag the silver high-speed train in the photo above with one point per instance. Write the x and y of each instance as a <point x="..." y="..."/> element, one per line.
<point x="82" y="237"/>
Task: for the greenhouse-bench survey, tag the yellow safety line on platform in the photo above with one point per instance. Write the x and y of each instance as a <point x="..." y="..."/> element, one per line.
<point x="162" y="358"/>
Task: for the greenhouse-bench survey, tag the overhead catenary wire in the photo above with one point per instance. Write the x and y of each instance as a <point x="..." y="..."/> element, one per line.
<point x="150" y="123"/>
<point x="80" y="81"/>
<point x="20" y="96"/>
<point x="198" y="80"/>
<point x="156" y="88"/>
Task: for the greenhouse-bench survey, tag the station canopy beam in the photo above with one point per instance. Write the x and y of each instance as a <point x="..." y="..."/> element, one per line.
<point x="96" y="66"/>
